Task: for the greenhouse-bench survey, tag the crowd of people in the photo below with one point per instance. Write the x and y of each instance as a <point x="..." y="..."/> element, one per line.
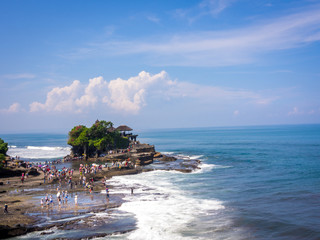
<point x="64" y="177"/>
<point x="61" y="198"/>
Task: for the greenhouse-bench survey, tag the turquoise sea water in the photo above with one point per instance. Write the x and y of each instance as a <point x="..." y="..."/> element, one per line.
<point x="255" y="183"/>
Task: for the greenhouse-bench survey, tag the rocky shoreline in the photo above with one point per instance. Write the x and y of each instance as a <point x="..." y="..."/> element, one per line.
<point x="23" y="199"/>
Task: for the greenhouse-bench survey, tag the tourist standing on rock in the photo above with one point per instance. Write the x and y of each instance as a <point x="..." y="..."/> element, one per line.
<point x="5" y="210"/>
<point x="66" y="196"/>
<point x="76" y="200"/>
<point x="63" y="197"/>
<point x="107" y="192"/>
<point x="22" y="178"/>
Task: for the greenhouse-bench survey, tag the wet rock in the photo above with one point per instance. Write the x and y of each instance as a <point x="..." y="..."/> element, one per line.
<point x="193" y="164"/>
<point x="168" y="159"/>
<point x="6" y="231"/>
<point x="33" y="172"/>
<point x="158" y="155"/>
<point x="46" y="233"/>
<point x="6" y="172"/>
<point x="184" y="170"/>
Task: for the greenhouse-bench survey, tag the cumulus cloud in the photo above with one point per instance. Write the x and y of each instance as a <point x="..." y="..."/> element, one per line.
<point x="14" y="108"/>
<point x="59" y="99"/>
<point x="119" y="94"/>
<point x="95" y="89"/>
<point x="128" y="95"/>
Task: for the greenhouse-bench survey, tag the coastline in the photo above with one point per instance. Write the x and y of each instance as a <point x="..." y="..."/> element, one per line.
<point x="24" y="199"/>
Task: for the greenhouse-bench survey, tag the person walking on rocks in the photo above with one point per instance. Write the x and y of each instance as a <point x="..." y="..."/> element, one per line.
<point x="76" y="199"/>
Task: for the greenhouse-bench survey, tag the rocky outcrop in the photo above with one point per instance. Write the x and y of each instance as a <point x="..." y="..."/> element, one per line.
<point x="142" y="154"/>
<point x="158" y="155"/>
<point x="143" y="158"/>
<point x="191" y="164"/>
<point x="7" y="172"/>
<point x="167" y="158"/>
<point x="33" y="172"/>
<point x="142" y="148"/>
<point x="116" y="156"/>
<point x="7" y="231"/>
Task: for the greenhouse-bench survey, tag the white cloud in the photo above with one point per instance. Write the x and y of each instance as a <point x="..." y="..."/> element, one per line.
<point x="128" y="95"/>
<point x="59" y="99"/>
<point x="204" y="8"/>
<point x="214" y="7"/>
<point x="295" y="111"/>
<point x="121" y="95"/>
<point x="14" y="108"/>
<point x="266" y="100"/>
<point x="214" y="93"/>
<point x="236" y="112"/>
<point x="19" y="76"/>
<point x="153" y="18"/>
<point x="218" y="48"/>
<point x="95" y="89"/>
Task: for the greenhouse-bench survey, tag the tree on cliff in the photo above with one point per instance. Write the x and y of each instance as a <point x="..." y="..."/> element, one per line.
<point x="95" y="140"/>
<point x="3" y="152"/>
<point x="3" y="147"/>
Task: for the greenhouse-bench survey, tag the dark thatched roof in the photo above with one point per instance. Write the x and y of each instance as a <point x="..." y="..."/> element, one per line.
<point x="124" y="128"/>
<point x="111" y="129"/>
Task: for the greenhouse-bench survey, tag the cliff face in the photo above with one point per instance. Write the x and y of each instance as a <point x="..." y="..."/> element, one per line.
<point x="142" y="154"/>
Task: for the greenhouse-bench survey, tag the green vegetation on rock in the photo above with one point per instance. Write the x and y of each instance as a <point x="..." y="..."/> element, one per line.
<point x="3" y="147"/>
<point x="3" y="152"/>
<point x="93" y="141"/>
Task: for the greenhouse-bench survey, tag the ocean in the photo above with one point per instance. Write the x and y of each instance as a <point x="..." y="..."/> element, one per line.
<point x="259" y="182"/>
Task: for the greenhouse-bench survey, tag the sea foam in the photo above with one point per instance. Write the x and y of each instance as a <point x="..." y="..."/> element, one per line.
<point x="162" y="209"/>
<point x="38" y="152"/>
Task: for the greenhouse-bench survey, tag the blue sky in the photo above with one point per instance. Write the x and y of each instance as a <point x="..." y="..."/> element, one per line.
<point x="158" y="64"/>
